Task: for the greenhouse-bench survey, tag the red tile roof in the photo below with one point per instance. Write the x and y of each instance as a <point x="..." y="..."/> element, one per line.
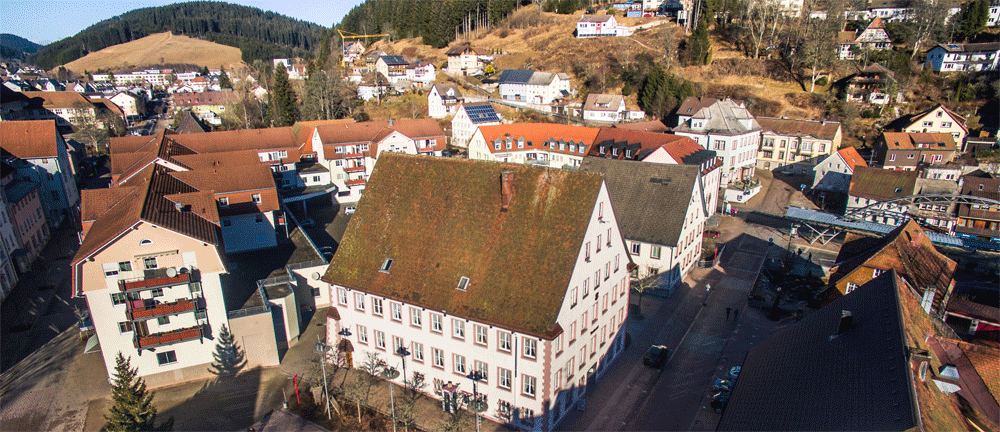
<point x="226" y="97"/>
<point x="919" y="140"/>
<point x="646" y="126"/>
<point x="59" y="99"/>
<point x="30" y="139"/>
<point x="820" y="129"/>
<point x="852" y="158"/>
<point x="536" y="135"/>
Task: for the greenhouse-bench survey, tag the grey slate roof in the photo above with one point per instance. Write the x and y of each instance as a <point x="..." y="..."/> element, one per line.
<point x="519" y="76"/>
<point x="726" y="116"/>
<point x="801" y="379"/>
<point x="650" y="199"/>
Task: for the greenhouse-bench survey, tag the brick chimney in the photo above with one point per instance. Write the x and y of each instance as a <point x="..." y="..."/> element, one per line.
<point x="506" y="189"/>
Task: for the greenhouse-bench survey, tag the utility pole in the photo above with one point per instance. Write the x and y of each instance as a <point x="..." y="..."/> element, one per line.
<point x="390" y="373"/>
<point x="322" y="348"/>
<point x="477" y="406"/>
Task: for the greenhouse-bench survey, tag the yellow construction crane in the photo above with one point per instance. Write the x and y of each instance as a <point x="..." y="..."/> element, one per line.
<point x="344" y="35"/>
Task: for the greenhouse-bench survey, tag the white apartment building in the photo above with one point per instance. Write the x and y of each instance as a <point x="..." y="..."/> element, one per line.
<point x="67" y="108"/>
<point x="422" y="73"/>
<point x="539" y="331"/>
<point x="962" y="57"/>
<point x="443" y="100"/>
<point x="8" y="243"/>
<point x="350" y="150"/>
<point x="546" y="144"/>
<point x="725" y="126"/>
<point x="533" y="87"/>
<point x="609" y="108"/>
<point x="149" y="269"/>
<point x="663" y="214"/>
<point x="470" y="117"/>
<point x="154" y="77"/>
<point x="41" y="146"/>
<point x="796" y="146"/>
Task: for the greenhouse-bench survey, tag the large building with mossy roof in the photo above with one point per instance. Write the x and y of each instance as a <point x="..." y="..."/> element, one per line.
<point x="517" y="272"/>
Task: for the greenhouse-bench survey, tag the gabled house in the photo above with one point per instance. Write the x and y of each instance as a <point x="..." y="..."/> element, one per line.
<point x="350" y="150"/>
<point x="907" y="150"/>
<point x="609" y="108"/>
<point x="443" y="100"/>
<point x="424" y="269"/>
<point x="45" y="160"/>
<point x="294" y="66"/>
<point x="872" y="38"/>
<point x="863" y="362"/>
<point x="906" y="250"/>
<point x="796" y="146"/>
<point x="834" y="173"/>
<point x="938" y="119"/>
<point x="422" y="73"/>
<point x="873" y="185"/>
<point x="891" y="10"/>
<point x="468" y="118"/>
<point x="870" y="85"/>
<point x="962" y="57"/>
<point x="132" y="106"/>
<point x="533" y="87"/>
<point x="464" y="59"/>
<point x="662" y="215"/>
<point x="392" y="67"/>
<point x="590" y="26"/>
<point x="553" y="145"/>
<point x="352" y="51"/>
<point x="661" y="148"/>
<point x="725" y="126"/>
<point x="208" y="106"/>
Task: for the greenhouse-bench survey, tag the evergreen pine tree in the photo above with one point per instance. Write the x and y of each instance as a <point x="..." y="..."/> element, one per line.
<point x="224" y="81"/>
<point x="133" y="408"/>
<point x="284" y="110"/>
<point x="204" y="71"/>
<point x="229" y="358"/>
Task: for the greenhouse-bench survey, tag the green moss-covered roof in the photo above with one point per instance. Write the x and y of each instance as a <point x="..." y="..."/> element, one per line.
<point x="441" y="219"/>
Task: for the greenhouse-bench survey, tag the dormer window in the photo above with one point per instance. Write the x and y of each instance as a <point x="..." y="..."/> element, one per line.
<point x="602" y="149"/>
<point x="386" y="265"/>
<point x="224" y="201"/>
<point x="463" y="283"/>
<point x="256" y="198"/>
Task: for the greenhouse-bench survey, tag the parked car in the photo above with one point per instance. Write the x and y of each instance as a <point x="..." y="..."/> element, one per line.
<point x="656" y="356"/>
<point x="719" y="400"/>
<point x="722" y="384"/>
<point x="711" y="233"/>
<point x="734" y="372"/>
<point x="350" y="210"/>
<point x="306" y="223"/>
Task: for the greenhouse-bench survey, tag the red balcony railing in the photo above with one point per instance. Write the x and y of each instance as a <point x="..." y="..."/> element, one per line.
<point x="355" y="155"/>
<point x="155" y="282"/>
<point x="356" y="182"/>
<point x="179" y="306"/>
<point x="354" y="169"/>
<point x="166" y="338"/>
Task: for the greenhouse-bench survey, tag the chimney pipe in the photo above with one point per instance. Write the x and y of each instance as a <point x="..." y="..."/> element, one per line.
<point x="506" y="189"/>
<point x="846" y="320"/>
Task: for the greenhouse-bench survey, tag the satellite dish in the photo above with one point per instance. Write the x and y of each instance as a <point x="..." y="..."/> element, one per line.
<point x="171" y="272"/>
<point x="315" y="275"/>
<point x="184" y="270"/>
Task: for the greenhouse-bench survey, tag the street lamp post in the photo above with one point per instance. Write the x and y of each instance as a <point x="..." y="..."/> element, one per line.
<point x="322" y="348"/>
<point x="477" y="406"/>
<point x="390" y="373"/>
<point x="402" y="352"/>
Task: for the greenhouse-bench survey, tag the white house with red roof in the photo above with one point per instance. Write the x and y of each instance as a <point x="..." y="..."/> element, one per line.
<point x="590" y="26"/>
<point x="40" y="145"/>
<point x="546" y="144"/>
<point x="833" y="174"/>
<point x="423" y="281"/>
<point x="350" y="150"/>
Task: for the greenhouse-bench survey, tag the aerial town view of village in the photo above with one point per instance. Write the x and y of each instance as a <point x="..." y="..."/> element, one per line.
<point x="500" y="215"/>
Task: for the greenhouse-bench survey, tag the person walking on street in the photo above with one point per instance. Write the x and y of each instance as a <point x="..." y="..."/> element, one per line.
<point x="736" y="315"/>
<point x="727" y="314"/>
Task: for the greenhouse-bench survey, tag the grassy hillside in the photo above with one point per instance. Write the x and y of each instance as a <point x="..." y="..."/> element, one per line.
<point x="161" y="48"/>
<point x="532" y="39"/>
<point x="257" y="33"/>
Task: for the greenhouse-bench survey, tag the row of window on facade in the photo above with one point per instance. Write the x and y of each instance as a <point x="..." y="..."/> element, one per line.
<point x="806" y="145"/>
<point x="224" y="201"/>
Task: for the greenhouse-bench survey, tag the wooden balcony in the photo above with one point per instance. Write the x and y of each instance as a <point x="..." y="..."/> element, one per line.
<point x="177" y="307"/>
<point x="167" y="338"/>
<point x="355" y="169"/>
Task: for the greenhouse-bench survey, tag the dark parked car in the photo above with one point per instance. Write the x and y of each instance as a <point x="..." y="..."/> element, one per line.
<point x="656" y="356"/>
<point x="721" y="384"/>
<point x="719" y="400"/>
